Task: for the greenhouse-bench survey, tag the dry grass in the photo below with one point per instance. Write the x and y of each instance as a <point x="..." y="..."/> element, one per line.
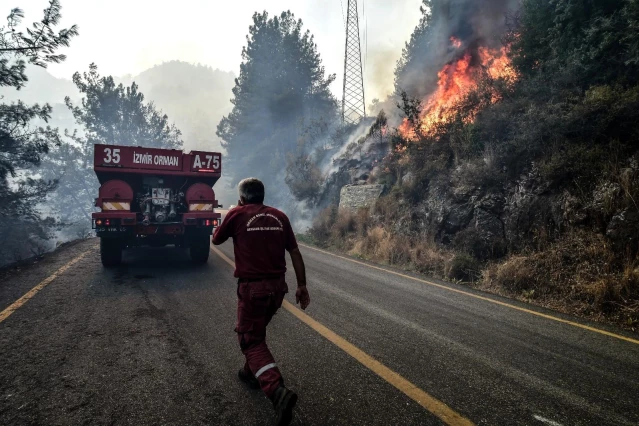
<point x="578" y="274"/>
<point x="352" y="233"/>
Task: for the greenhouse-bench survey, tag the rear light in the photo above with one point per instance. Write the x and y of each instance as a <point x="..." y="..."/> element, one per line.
<point x="107" y="222"/>
<point x="216" y="222"/>
<point x="98" y="222"/>
<point x="207" y="222"/>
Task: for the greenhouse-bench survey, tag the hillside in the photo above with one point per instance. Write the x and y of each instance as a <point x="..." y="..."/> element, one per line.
<point x="512" y="163"/>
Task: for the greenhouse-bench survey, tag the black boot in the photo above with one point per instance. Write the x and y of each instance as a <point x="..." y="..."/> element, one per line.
<point x="248" y="378"/>
<point x="284" y="401"/>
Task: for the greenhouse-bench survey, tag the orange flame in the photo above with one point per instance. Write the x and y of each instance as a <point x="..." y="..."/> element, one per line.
<point x="456" y="80"/>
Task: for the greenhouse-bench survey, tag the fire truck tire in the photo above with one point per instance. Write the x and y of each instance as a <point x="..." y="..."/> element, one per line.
<point x="110" y="252"/>
<point x="200" y="248"/>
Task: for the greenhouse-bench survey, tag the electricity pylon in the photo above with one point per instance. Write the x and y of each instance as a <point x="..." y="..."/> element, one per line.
<point x="353" y="105"/>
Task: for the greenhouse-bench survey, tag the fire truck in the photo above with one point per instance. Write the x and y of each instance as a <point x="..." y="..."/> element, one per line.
<point x="155" y="197"/>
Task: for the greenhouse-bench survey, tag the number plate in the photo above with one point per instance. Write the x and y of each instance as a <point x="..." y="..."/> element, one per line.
<point x="111" y="229"/>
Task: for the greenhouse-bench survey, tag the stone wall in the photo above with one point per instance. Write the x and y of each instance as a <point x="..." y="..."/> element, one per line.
<point x="353" y="197"/>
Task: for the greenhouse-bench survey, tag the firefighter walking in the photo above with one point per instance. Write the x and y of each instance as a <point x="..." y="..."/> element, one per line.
<point x="261" y="236"/>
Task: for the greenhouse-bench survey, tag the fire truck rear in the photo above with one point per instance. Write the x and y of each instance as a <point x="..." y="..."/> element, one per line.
<point x="155" y="197"/>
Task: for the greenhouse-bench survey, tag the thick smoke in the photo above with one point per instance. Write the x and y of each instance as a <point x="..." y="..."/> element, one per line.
<point x="475" y="23"/>
<point x="450" y="30"/>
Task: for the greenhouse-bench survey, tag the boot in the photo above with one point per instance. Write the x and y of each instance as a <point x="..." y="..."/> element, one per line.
<point x="284" y="401"/>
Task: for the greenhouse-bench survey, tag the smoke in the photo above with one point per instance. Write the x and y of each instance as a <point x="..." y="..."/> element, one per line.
<point x="475" y="23"/>
<point x="379" y="75"/>
<point x="330" y="165"/>
<point x="450" y="30"/>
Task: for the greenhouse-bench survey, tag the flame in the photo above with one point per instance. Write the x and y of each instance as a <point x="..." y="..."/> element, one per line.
<point x="455" y="80"/>
<point x="457" y="43"/>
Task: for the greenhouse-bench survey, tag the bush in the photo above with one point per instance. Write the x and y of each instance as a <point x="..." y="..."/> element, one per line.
<point x="322" y="226"/>
<point x="428" y="258"/>
<point x="463" y="267"/>
<point x="514" y="275"/>
<point x="580" y="272"/>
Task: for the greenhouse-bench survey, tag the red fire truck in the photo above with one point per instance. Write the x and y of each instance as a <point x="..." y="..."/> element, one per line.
<point x="155" y="197"/>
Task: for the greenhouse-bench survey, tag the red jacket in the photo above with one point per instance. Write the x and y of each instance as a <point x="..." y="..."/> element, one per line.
<point x="261" y="235"/>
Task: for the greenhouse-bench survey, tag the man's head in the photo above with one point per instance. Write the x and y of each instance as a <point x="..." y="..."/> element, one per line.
<point x="251" y="191"/>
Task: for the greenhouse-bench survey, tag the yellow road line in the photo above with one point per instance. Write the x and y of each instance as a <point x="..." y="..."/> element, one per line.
<point x="29" y="295"/>
<point x="486" y="299"/>
<point x="435" y="406"/>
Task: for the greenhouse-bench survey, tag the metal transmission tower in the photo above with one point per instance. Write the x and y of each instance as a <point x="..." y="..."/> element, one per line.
<point x="353" y="106"/>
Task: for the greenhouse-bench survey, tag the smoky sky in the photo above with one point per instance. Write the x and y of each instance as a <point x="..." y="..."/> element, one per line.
<point x="126" y="37"/>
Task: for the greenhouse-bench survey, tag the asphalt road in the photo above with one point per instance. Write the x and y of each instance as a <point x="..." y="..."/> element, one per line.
<point x="151" y="342"/>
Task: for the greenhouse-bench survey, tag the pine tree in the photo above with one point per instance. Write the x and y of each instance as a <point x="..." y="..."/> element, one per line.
<point x="118" y="115"/>
<point x="23" y="144"/>
<point x="108" y="114"/>
<point x="281" y="87"/>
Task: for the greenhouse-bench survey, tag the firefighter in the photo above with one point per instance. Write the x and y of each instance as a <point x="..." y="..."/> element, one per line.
<point x="261" y="235"/>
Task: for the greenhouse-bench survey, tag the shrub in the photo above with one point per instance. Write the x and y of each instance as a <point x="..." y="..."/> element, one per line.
<point x="514" y="275"/>
<point x="428" y="258"/>
<point x="322" y="226"/>
<point x="463" y="267"/>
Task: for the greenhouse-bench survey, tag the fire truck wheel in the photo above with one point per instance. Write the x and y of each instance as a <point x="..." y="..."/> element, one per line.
<point x="110" y="252"/>
<point x="200" y="249"/>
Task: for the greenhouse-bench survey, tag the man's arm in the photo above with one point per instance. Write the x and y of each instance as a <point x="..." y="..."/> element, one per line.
<point x="301" y="295"/>
<point x="224" y="231"/>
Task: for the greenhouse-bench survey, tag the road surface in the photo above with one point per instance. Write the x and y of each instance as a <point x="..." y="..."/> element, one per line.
<point x="151" y="342"/>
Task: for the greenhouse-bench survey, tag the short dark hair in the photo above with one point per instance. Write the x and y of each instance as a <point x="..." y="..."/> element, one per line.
<point x="251" y="190"/>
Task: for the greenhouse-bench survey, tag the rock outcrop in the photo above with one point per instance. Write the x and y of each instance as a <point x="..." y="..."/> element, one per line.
<point x="354" y="197"/>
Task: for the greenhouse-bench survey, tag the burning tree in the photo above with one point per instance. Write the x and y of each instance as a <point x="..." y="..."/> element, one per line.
<point x="462" y="46"/>
<point x="520" y="140"/>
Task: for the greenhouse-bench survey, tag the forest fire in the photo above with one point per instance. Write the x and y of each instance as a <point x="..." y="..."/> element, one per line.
<point x="456" y="80"/>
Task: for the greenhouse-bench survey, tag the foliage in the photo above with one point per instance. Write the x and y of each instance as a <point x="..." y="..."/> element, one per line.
<point x="303" y="176"/>
<point x="463" y="267"/>
<point x="584" y="43"/>
<point x="108" y="114"/>
<point x="118" y="115"/>
<point x="421" y="40"/>
<point x="22" y="143"/>
<point x="280" y="89"/>
<point x="71" y="164"/>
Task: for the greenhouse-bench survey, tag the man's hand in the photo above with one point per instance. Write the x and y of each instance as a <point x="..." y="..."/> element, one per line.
<point x="302" y="297"/>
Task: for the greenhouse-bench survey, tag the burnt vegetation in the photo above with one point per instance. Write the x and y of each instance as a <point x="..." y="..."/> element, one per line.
<point x="529" y="186"/>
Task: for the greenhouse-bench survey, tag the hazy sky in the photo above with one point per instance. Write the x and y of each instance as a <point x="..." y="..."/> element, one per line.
<point x="127" y="37"/>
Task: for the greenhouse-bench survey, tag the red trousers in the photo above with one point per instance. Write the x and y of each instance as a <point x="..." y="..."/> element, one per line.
<point x="257" y="302"/>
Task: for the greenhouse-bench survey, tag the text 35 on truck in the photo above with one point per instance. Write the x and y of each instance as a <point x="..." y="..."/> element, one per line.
<point x="155" y="197"/>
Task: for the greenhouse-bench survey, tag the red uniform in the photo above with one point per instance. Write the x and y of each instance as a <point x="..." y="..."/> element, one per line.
<point x="261" y="236"/>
